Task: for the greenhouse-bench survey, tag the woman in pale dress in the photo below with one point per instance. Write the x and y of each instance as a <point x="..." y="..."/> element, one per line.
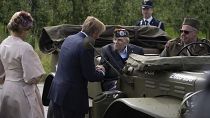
<point x="20" y="71"/>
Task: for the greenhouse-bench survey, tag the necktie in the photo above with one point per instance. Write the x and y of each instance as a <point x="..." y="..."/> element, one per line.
<point x="146" y="22"/>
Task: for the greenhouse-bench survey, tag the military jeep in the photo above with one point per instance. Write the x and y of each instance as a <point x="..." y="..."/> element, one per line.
<point x="150" y="86"/>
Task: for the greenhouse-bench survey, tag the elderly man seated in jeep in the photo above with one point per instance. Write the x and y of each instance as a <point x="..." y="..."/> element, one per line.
<point x="188" y="43"/>
<point x="117" y="53"/>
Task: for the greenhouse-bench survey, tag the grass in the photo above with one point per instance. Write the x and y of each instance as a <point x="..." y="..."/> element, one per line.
<point x="45" y="59"/>
<point x="46" y="62"/>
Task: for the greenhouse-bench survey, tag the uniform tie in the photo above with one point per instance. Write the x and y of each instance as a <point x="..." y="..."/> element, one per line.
<point x="146" y="22"/>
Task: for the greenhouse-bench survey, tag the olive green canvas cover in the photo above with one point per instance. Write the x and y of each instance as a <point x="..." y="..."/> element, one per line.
<point x="53" y="36"/>
<point x="156" y="63"/>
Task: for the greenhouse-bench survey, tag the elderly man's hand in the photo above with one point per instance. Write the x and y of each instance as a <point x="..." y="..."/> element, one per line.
<point x="100" y="68"/>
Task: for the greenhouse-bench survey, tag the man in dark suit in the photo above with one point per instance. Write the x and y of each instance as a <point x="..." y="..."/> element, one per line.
<point x="68" y="92"/>
<point x="117" y="53"/>
<point x="148" y="19"/>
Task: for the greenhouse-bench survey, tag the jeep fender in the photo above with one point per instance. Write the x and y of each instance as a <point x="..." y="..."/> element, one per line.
<point x="157" y="107"/>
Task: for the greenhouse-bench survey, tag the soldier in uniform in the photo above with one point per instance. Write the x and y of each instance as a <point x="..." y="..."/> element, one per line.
<point x="148" y="19"/>
<point x="189" y="32"/>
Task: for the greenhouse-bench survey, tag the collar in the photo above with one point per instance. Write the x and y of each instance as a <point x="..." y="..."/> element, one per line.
<point x="196" y="40"/>
<point x="149" y="19"/>
<point x="84" y="33"/>
<point x="123" y="53"/>
<point x="15" y="37"/>
<point x="125" y="50"/>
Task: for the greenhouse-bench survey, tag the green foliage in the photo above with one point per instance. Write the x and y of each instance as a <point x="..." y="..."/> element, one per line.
<point x="45" y="59"/>
<point x="111" y="12"/>
<point x="172" y="12"/>
<point x="119" y="12"/>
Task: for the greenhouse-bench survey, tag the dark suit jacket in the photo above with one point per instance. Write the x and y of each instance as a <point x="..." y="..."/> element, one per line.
<point x="75" y="68"/>
<point x="154" y="22"/>
<point x="115" y="59"/>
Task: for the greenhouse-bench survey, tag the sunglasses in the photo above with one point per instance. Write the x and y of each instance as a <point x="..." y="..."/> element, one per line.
<point x="185" y="31"/>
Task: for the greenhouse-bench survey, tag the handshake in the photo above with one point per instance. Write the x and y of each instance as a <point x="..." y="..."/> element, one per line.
<point x="100" y="68"/>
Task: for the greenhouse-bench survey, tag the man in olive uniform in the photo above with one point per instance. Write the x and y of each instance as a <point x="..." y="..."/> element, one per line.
<point x="189" y="32"/>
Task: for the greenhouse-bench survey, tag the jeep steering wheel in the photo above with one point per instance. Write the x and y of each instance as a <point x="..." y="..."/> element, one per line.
<point x="195" y="43"/>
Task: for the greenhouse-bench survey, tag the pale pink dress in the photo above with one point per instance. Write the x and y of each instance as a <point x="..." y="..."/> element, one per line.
<point x="19" y="66"/>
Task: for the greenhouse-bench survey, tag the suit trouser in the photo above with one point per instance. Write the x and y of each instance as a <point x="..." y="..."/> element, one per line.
<point x="56" y="111"/>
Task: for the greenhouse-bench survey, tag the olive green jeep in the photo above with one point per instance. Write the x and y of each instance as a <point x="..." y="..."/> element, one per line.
<point x="150" y="86"/>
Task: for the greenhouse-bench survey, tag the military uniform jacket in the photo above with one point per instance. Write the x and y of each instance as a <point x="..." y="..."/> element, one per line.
<point x="173" y="47"/>
<point x="154" y="22"/>
<point x="115" y="59"/>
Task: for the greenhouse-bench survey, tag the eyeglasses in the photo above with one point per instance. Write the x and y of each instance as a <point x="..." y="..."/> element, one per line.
<point x="185" y="31"/>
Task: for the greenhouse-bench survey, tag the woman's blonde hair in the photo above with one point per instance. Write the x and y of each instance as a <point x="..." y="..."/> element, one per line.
<point x="20" y="21"/>
<point x="93" y="25"/>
